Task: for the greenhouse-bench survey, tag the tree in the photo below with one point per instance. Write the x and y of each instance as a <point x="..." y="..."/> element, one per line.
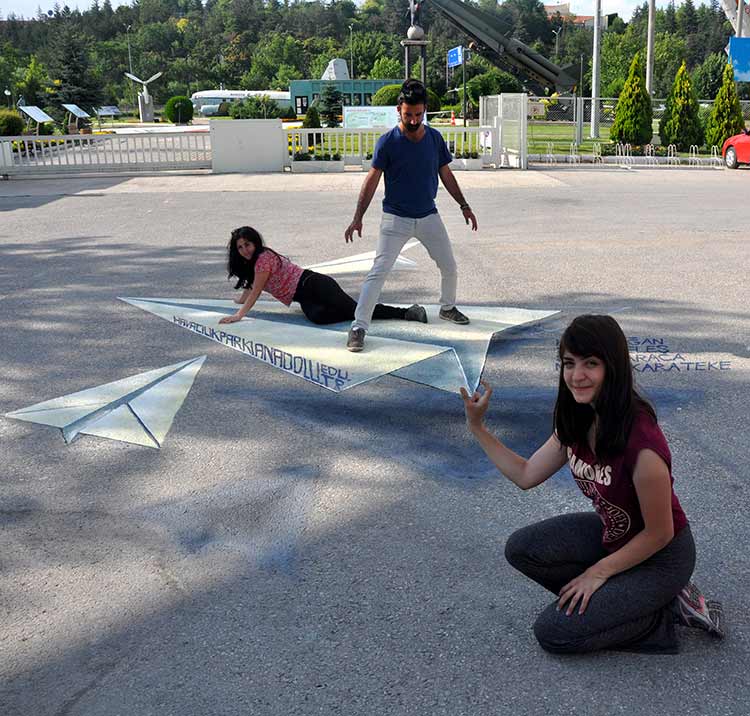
<point x="386" y="68"/>
<point x="33" y="83"/>
<point x="680" y="124"/>
<point x="493" y="82"/>
<point x="616" y="55"/>
<point x="71" y="70"/>
<point x="330" y="105"/>
<point x="708" y="76"/>
<point x="284" y="75"/>
<point x="669" y="52"/>
<point x="726" y="118"/>
<point x="633" y="117"/>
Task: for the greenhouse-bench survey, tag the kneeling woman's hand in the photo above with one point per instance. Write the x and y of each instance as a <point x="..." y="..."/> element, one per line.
<point x="231" y="319"/>
<point x="580" y="589"/>
<point x="476" y="405"/>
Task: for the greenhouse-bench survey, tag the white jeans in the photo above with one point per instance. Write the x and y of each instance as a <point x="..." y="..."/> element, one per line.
<point x="395" y="231"/>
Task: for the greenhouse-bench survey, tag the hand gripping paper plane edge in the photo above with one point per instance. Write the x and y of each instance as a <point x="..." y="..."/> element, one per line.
<point x="138" y="409"/>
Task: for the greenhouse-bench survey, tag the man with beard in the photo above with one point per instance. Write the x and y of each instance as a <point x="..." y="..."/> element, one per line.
<point x="412" y="156"/>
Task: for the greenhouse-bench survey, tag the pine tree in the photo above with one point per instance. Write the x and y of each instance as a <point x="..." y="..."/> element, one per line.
<point x="681" y="124"/>
<point x="71" y="69"/>
<point x="633" y="117"/>
<point x="330" y="105"/>
<point x="726" y="118"/>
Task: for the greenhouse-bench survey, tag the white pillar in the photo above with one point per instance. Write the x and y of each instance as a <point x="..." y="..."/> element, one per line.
<point x="650" y="47"/>
<point x="595" y="71"/>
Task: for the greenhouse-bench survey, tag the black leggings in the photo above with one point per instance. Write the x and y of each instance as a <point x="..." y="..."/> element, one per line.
<point x="630" y="612"/>
<point x="323" y="301"/>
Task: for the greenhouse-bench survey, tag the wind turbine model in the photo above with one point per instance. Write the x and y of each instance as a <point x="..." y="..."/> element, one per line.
<point x="145" y="104"/>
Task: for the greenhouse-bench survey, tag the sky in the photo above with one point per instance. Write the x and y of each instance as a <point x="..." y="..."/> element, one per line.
<point x="624" y="8"/>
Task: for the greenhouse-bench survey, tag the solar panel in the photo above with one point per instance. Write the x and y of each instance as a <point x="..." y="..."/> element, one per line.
<point x="75" y="110"/>
<point x="108" y="111"/>
<point x="36" y="114"/>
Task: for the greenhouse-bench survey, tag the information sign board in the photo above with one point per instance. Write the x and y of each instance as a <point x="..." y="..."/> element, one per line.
<point x="456" y="56"/>
<point x="370" y="117"/>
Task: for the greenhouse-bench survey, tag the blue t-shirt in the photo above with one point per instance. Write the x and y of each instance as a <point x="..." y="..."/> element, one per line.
<point x="411" y="171"/>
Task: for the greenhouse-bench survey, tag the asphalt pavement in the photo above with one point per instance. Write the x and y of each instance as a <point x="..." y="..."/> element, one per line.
<point x="290" y="550"/>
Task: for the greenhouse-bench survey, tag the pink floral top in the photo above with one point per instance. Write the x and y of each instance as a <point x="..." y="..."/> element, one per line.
<point x="284" y="275"/>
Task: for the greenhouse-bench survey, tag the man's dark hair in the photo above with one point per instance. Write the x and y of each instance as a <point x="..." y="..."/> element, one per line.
<point x="412" y="92"/>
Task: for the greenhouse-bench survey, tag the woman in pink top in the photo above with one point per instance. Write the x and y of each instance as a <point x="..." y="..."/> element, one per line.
<point x="259" y="268"/>
<point x="620" y="574"/>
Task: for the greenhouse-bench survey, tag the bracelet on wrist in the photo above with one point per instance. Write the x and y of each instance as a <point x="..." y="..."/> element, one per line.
<point x="464" y="207"/>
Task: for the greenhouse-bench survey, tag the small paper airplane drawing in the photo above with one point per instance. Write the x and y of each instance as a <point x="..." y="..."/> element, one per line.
<point x="362" y="263"/>
<point x="139" y="409"/>
<point x="439" y="354"/>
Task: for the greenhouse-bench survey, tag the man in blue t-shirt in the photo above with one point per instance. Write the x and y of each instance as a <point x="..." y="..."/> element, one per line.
<point x="411" y="156"/>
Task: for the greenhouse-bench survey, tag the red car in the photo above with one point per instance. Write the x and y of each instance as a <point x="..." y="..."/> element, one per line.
<point x="736" y="150"/>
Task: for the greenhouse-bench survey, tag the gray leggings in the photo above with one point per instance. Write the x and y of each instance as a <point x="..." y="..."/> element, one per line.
<point x="630" y="612"/>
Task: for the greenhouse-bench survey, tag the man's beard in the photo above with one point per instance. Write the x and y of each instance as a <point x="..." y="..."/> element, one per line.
<point x="411" y="127"/>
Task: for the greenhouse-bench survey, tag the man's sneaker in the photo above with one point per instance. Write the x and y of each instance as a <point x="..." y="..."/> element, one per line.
<point x="356" y="340"/>
<point x="693" y="610"/>
<point x="416" y="313"/>
<point x="454" y="316"/>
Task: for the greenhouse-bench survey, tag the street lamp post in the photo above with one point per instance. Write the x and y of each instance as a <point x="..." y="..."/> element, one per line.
<point x="557" y="41"/>
<point x="351" y="50"/>
<point x="8" y="94"/>
<point x="130" y="57"/>
<point x="580" y="84"/>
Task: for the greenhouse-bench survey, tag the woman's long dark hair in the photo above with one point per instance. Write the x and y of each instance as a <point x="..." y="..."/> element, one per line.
<point x="618" y="402"/>
<point x="242" y="269"/>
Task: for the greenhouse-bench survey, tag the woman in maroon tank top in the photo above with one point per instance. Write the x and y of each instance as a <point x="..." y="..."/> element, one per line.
<point x="621" y="574"/>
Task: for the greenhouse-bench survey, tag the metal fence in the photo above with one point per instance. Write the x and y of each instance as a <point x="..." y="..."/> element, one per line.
<point x="104" y="152"/>
<point x="561" y="122"/>
<point x="355" y="146"/>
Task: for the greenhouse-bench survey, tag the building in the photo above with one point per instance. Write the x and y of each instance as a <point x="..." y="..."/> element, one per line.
<point x="354" y="93"/>
<point x="581" y="20"/>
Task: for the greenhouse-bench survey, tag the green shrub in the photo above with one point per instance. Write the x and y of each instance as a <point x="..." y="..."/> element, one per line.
<point x="387" y="96"/>
<point x="681" y="124"/>
<point x="633" y="115"/>
<point x="725" y="119"/>
<point x="493" y="82"/>
<point x="179" y="110"/>
<point x="288" y="113"/>
<point x="262" y="107"/>
<point x="312" y="119"/>
<point x="11" y="123"/>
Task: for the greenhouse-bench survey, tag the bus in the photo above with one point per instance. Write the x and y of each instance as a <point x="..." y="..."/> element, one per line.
<point x="207" y="102"/>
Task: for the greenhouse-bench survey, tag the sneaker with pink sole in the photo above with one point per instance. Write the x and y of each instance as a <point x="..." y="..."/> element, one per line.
<point x="692" y="609"/>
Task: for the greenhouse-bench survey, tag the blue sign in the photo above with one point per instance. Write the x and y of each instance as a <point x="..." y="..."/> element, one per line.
<point x="739" y="56"/>
<point x="456" y="56"/>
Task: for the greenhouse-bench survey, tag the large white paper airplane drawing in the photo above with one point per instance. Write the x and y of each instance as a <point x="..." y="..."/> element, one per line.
<point x="439" y="354"/>
<point x="362" y="263"/>
<point x="139" y="409"/>
<point x="296" y="346"/>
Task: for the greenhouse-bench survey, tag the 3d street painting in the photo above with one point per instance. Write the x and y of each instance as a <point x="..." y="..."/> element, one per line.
<point x="362" y="263"/>
<point x="139" y="409"/>
<point x="438" y="354"/>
